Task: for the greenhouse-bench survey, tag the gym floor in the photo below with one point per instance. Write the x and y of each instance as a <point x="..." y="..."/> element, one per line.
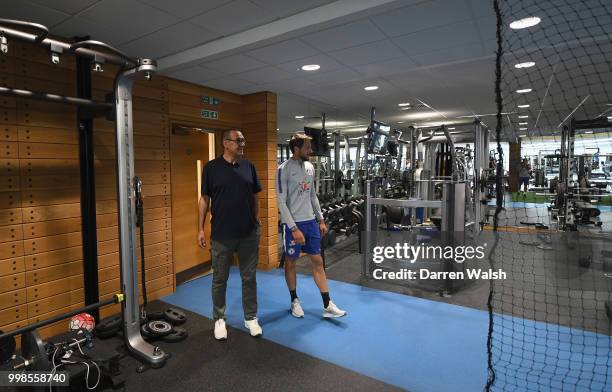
<point x="241" y="363"/>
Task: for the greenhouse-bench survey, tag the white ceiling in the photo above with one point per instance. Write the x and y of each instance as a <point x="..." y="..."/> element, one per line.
<point x="438" y="52"/>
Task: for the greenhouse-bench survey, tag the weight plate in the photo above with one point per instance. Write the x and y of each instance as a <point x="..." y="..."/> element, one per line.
<point x="331" y="236"/>
<point x="7" y="349"/>
<point x="157" y="315"/>
<point x="175" y="316"/>
<point x="107" y="333"/>
<point x="159" y="328"/>
<point x="33" y="349"/>
<point x="144" y="331"/>
<point x="176" y="335"/>
<point x="108" y="324"/>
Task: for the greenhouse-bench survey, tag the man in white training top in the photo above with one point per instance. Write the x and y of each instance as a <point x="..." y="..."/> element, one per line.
<point x="303" y="223"/>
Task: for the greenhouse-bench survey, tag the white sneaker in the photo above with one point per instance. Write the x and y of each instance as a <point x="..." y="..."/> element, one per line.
<point x="220" y="330"/>
<point x="253" y="327"/>
<point x="332" y="311"/>
<point x="296" y="309"/>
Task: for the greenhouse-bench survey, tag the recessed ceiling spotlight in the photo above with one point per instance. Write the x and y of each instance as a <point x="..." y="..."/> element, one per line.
<point x="310" y="67"/>
<point x="277" y="129"/>
<point x="525" y="23"/>
<point x="370" y="88"/>
<point x="299" y="117"/>
<point x="523" y="116"/>
<point x="526" y="64"/>
<point x="401" y="105"/>
<point x="524" y="90"/>
<point x="522" y="129"/>
<point x="523" y="106"/>
<point x="523" y="123"/>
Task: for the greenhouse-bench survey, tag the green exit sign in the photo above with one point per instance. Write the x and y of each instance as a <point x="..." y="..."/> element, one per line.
<point x="210" y="100"/>
<point x="211" y="114"/>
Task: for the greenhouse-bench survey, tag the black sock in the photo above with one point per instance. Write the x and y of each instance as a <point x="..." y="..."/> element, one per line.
<point x="293" y="294"/>
<point x="325" y="297"/>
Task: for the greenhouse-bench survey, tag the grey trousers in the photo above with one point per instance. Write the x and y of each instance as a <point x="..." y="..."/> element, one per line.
<point x="248" y="255"/>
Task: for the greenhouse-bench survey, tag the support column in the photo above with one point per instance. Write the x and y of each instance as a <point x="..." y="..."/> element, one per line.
<point x="514" y="162"/>
<point x="259" y="128"/>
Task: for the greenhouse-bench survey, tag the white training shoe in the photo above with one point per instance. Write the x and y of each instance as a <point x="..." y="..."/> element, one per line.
<point x="253" y="327"/>
<point x="332" y="311"/>
<point x="296" y="309"/>
<point x="220" y="330"/>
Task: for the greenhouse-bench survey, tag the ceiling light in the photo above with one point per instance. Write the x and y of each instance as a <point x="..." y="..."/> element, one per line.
<point x="400" y="122"/>
<point x="525" y="23"/>
<point x="588" y="131"/>
<point x="299" y="117"/>
<point x="523" y="123"/>
<point x="401" y="105"/>
<point x="450" y="129"/>
<point x="523" y="116"/>
<point x="522" y="135"/>
<point x="526" y="64"/>
<point x="523" y="90"/>
<point x="370" y="88"/>
<point x="522" y="129"/>
<point x="523" y="106"/>
<point x="609" y="118"/>
<point x="310" y="67"/>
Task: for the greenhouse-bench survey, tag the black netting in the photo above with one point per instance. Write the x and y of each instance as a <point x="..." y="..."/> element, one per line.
<point x="549" y="320"/>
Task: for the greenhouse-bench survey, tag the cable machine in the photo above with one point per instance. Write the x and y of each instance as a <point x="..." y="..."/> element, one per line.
<point x="119" y="107"/>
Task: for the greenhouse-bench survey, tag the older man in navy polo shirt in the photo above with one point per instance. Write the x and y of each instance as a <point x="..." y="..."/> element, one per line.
<point x="229" y="185"/>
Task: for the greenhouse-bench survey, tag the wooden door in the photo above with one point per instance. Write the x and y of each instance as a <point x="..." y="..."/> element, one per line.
<point x="190" y="152"/>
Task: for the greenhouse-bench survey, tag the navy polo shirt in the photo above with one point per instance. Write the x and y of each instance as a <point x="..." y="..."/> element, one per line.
<point x="231" y="188"/>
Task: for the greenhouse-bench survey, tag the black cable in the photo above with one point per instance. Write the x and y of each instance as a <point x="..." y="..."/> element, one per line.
<point x="140" y="225"/>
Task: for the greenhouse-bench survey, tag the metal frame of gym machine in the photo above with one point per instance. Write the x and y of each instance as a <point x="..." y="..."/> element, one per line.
<point x="453" y="201"/>
<point x="564" y="197"/>
<point x="154" y="356"/>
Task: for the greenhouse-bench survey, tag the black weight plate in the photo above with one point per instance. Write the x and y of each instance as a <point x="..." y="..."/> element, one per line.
<point x="331" y="237"/>
<point x="105" y="334"/>
<point x="176" y="335"/>
<point x="144" y="331"/>
<point x="33" y="348"/>
<point x="175" y="316"/>
<point x="108" y="324"/>
<point x="157" y="315"/>
<point x="159" y="328"/>
<point x="7" y="349"/>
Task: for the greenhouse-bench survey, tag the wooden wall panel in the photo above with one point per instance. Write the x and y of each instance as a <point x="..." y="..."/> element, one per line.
<point x="259" y="125"/>
<point x="12" y="282"/>
<point x="48" y="289"/>
<point x="11" y="233"/>
<point x="11" y="266"/>
<point x="12" y="299"/>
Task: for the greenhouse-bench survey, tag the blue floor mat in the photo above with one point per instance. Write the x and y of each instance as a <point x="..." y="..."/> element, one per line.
<point x="409" y="342"/>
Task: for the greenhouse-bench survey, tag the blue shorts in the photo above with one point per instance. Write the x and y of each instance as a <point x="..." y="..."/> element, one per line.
<point x="311" y="232"/>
